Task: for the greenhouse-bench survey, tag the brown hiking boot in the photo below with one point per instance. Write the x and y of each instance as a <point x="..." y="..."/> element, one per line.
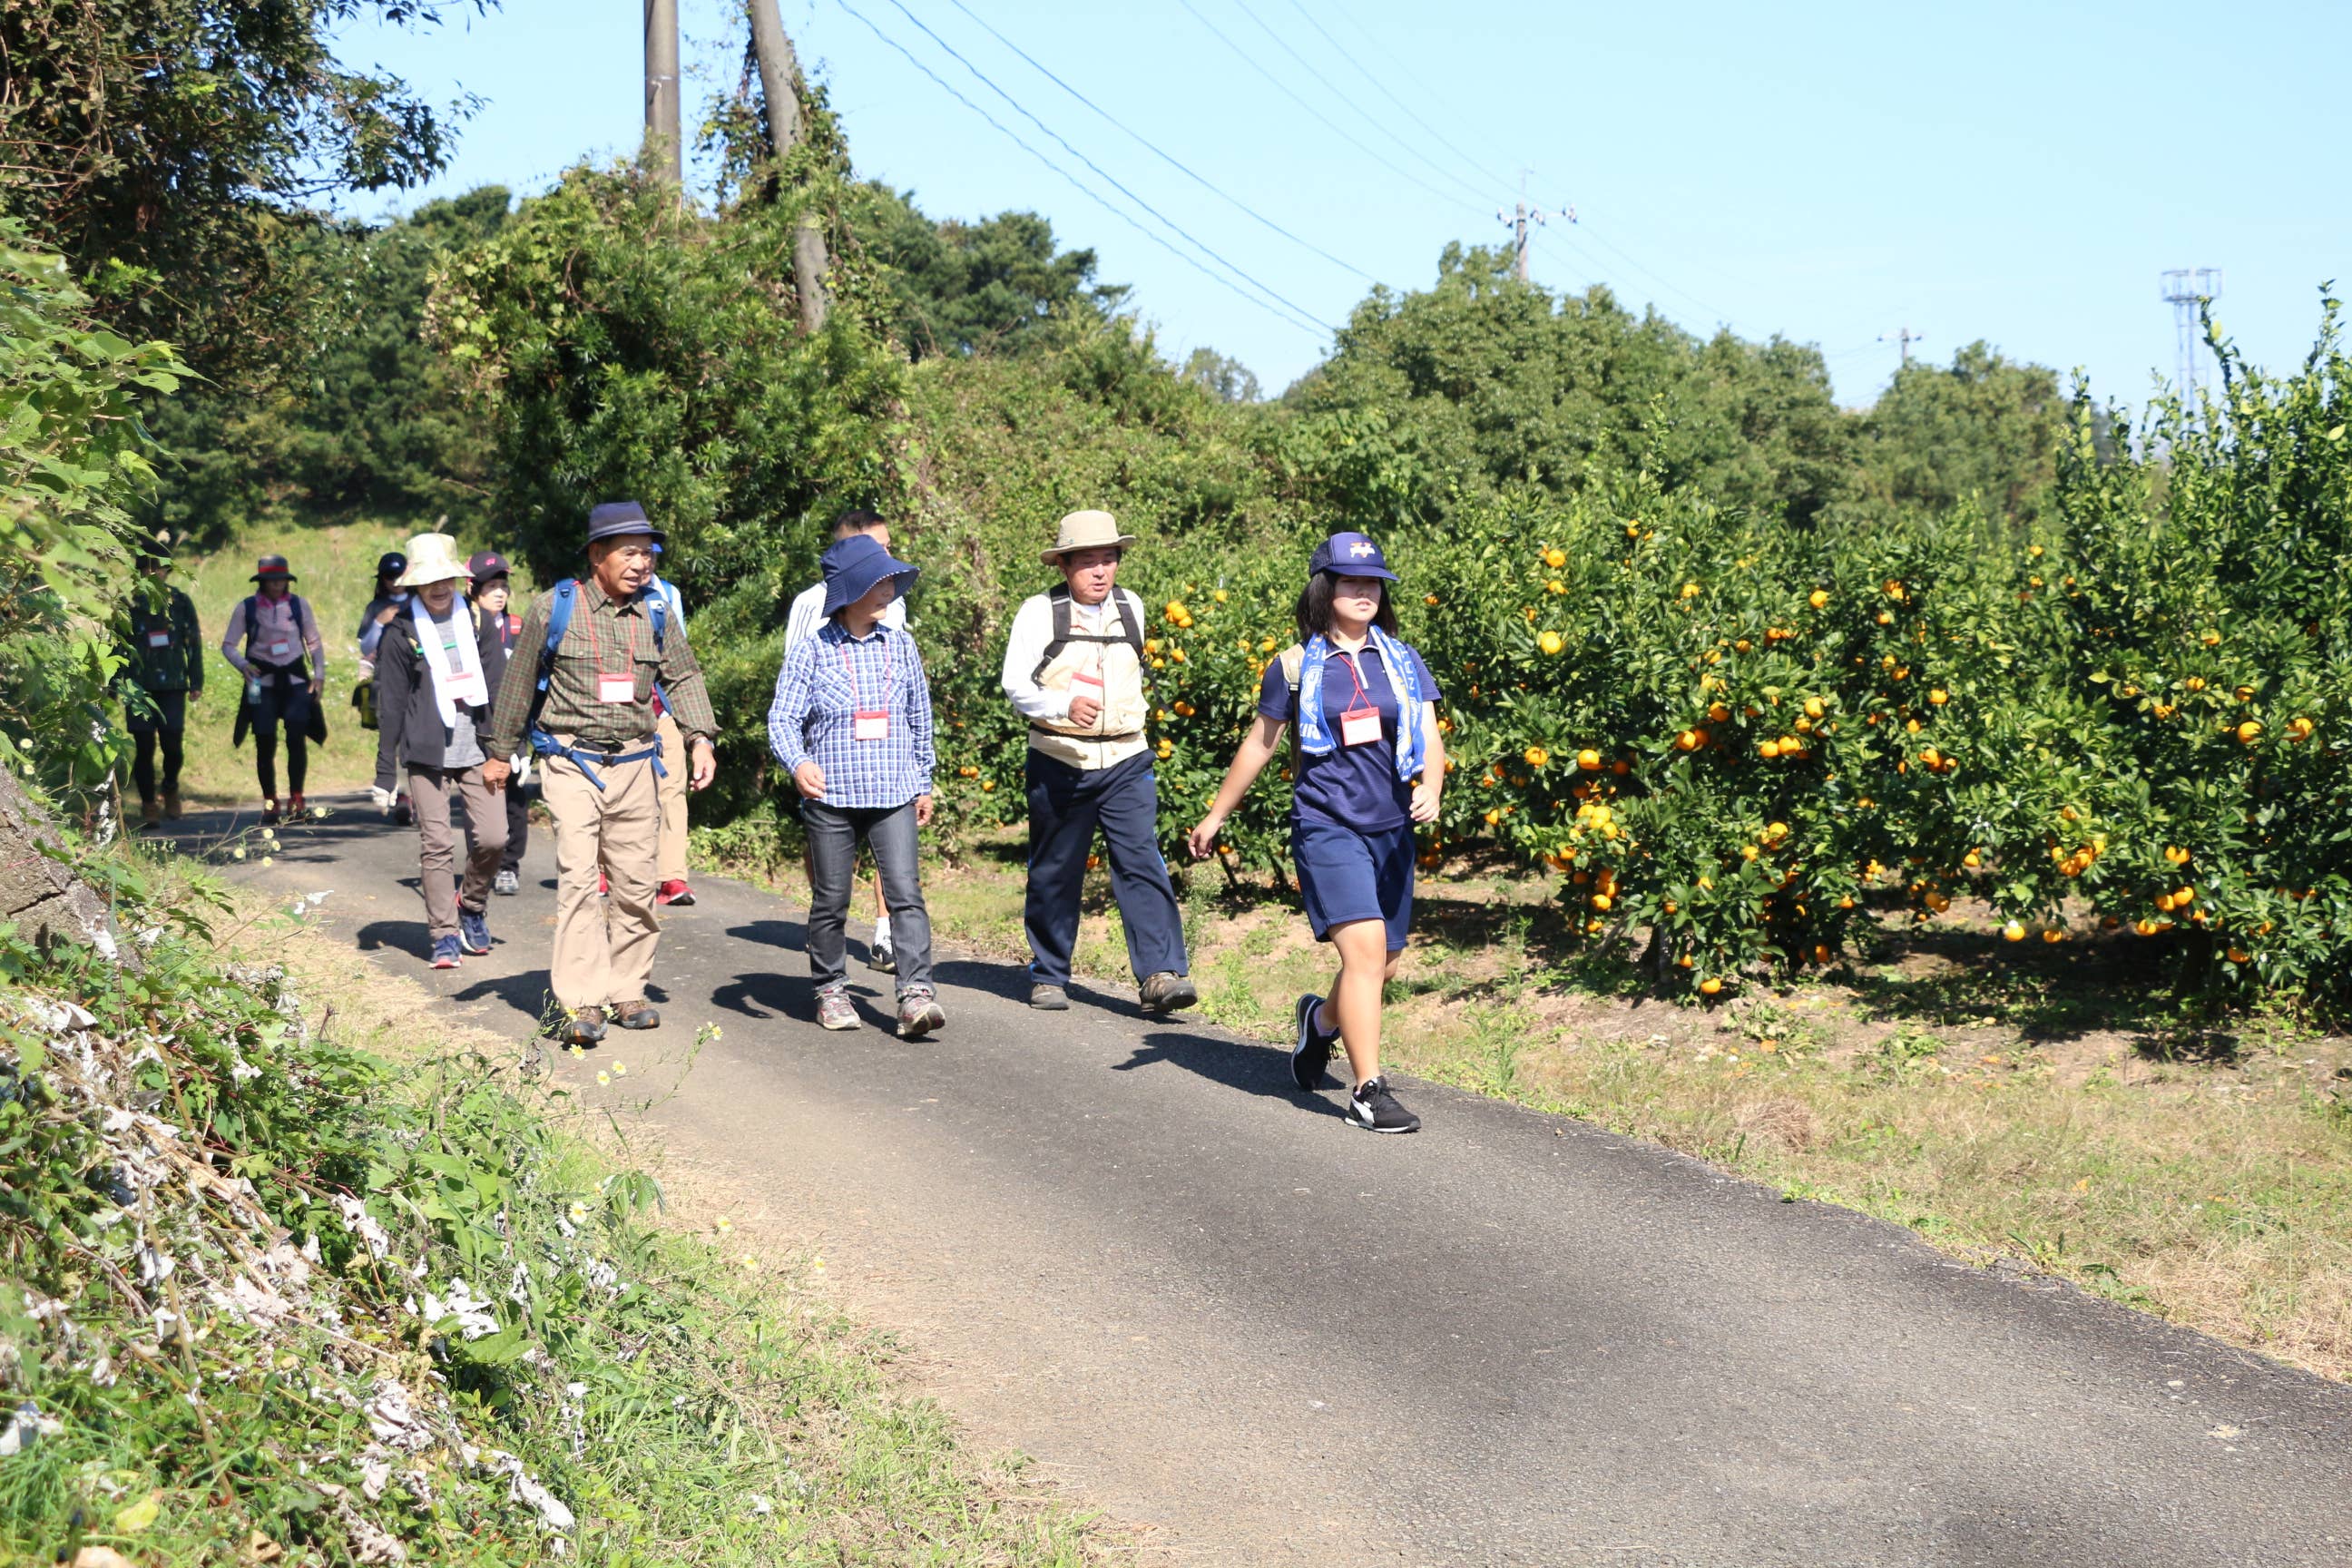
<point x="584" y="1027"/>
<point x="150" y="814"/>
<point x="172" y="812"/>
<point x="1049" y="998"/>
<point x="1166" y="992"/>
<point x="638" y="1014"/>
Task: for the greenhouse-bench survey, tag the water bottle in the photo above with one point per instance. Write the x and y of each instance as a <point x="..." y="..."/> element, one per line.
<point x="253" y="690"/>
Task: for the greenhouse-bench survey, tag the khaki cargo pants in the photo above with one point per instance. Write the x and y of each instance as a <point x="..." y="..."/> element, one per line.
<point x="673" y="799"/>
<point x="603" y="946"/>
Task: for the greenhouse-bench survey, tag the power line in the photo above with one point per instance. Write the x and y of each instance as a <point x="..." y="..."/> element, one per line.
<point x="1619" y="252"/>
<point x="1164" y="157"/>
<point x="1435" y="134"/>
<point x="1280" y="87"/>
<point x="1083" y="189"/>
<point x="1304" y="64"/>
<point x="1104" y="174"/>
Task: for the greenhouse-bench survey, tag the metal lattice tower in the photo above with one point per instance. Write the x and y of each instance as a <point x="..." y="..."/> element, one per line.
<point x="2186" y="288"/>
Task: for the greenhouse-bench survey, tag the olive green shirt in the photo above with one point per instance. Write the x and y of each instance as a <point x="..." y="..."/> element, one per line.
<point x="604" y="638"/>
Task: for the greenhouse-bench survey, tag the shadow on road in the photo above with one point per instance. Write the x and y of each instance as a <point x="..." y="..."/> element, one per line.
<point x="410" y="937"/>
<point x="526" y="993"/>
<point x="1253" y="1069"/>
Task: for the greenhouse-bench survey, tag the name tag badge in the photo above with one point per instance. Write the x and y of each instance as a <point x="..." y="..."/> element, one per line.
<point x="1360" y="728"/>
<point x="281" y="650"/>
<point x="469" y="688"/>
<point x="159" y="640"/>
<point x="616" y="687"/>
<point x="870" y="724"/>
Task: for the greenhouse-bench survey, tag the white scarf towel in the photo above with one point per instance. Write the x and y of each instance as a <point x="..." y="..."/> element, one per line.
<point x="436" y="657"/>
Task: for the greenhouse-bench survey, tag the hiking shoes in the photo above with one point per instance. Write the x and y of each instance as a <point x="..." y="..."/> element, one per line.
<point x="835" y="1010"/>
<point x="270" y="812"/>
<point x="918" y="1014"/>
<point x="445" y="952"/>
<point x="1166" y="992"/>
<point x="1311" y="1053"/>
<point x="584" y="1027"/>
<point x="675" y="892"/>
<point x="1374" y="1108"/>
<point x="507" y="884"/>
<point x="638" y="1013"/>
<point x="172" y="812"/>
<point x="1049" y="998"/>
<point x="473" y="932"/>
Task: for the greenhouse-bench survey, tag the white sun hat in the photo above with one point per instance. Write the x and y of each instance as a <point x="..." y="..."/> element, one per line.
<point x="433" y="558"/>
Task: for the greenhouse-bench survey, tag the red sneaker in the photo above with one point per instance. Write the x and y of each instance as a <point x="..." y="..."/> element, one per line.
<point x="675" y="892"/>
<point x="294" y="807"/>
<point x="270" y="812"/>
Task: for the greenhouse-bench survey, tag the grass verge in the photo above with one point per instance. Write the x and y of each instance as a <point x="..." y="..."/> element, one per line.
<point x="2052" y="1110"/>
<point x="288" y="1279"/>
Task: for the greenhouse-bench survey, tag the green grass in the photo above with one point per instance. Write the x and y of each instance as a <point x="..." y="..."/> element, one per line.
<point x="335" y="567"/>
<point x="209" y="1395"/>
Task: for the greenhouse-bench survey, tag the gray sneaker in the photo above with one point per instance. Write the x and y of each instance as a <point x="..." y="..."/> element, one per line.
<point x="918" y="1014"/>
<point x="835" y="1010"/>
<point x="1049" y="998"/>
<point x="507" y="883"/>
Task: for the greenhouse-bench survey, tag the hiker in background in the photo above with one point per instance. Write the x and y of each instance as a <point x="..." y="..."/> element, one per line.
<point x="852" y="723"/>
<point x="390" y="599"/>
<point x="1074" y="668"/>
<point x="670" y="868"/>
<point x="599" y="646"/>
<point x="800" y="622"/>
<point x="433" y="693"/>
<point x="272" y="639"/>
<point x="1362" y="707"/>
<point x="162" y="666"/>
<point x="491" y="592"/>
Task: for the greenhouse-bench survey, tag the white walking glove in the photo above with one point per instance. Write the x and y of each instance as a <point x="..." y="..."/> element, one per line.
<point x="383" y="797"/>
<point x="520" y="762"/>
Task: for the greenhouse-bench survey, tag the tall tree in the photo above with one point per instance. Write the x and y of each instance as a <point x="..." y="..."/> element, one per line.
<point x="1985" y="427"/>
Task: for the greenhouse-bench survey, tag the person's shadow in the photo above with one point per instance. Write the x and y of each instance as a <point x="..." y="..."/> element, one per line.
<point x="1253" y="1069"/>
<point x="411" y="937"/>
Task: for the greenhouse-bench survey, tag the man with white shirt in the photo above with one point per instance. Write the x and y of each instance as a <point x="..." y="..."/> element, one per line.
<point x="1074" y="668"/>
<point x="807" y="614"/>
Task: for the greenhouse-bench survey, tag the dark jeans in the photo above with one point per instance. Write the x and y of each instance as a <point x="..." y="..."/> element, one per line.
<point x="283" y="701"/>
<point x="1065" y="806"/>
<point x="833" y="835"/>
<point x="518" y="825"/>
<point x="167" y="724"/>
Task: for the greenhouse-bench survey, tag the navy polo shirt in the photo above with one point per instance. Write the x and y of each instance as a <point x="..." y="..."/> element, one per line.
<point x="1351" y="786"/>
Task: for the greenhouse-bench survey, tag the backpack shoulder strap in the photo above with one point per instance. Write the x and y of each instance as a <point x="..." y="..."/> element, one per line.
<point x="558" y="621"/>
<point x="252" y="620"/>
<point x="1057" y="600"/>
<point x="1130" y="618"/>
<point x="657" y="610"/>
<point x="1293" y="660"/>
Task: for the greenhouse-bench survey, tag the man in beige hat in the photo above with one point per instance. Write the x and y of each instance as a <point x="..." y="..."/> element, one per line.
<point x="436" y="667"/>
<point x="1074" y="668"/>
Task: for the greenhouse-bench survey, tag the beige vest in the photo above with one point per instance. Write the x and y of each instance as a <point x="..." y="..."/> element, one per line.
<point x="1117" y="733"/>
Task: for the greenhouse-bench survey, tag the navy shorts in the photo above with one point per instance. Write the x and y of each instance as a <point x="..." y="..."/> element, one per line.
<point x="1351" y="876"/>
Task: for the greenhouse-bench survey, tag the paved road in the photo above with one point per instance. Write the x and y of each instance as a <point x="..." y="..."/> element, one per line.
<point x="1203" y="1303"/>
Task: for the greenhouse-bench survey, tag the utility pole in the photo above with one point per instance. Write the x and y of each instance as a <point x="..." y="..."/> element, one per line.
<point x="780" y="84"/>
<point x="2186" y="290"/>
<point x="665" y="150"/>
<point x="1517" y="221"/>
<point x="1905" y="337"/>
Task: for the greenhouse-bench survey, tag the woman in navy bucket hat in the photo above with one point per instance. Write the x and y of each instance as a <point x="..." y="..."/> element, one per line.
<point x="851" y="723"/>
<point x="1371" y="763"/>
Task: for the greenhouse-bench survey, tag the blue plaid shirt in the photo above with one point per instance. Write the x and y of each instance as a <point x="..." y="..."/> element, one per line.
<point x="813" y="717"/>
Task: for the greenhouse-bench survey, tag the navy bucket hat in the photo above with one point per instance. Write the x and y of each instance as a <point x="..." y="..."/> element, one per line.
<point x="620" y="519"/>
<point x="852" y="567"/>
<point x="1351" y="556"/>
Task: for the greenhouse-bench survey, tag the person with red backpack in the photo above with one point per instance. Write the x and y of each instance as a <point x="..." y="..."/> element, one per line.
<point x="603" y="644"/>
<point x="273" y="641"/>
<point x="492" y="591"/>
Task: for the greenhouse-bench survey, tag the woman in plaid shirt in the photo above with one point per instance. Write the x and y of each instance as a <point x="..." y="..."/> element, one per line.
<point x="852" y="723"/>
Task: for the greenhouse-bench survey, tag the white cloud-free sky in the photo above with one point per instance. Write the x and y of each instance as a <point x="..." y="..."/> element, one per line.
<point x="1830" y="171"/>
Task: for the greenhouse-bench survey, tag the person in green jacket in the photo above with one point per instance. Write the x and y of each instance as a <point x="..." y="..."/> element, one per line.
<point x="164" y="666"/>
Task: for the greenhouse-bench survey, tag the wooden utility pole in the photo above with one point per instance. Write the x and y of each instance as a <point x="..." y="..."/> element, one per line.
<point x="1905" y="337"/>
<point x="780" y="84"/>
<point x="665" y="146"/>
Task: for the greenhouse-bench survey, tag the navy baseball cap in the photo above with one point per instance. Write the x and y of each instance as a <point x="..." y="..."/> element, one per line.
<point x="1351" y="556"/>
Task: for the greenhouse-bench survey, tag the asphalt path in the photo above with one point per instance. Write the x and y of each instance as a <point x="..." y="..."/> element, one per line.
<point x="1207" y="1305"/>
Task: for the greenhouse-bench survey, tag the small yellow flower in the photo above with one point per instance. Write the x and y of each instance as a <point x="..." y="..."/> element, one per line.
<point x="268" y="861"/>
<point x="238" y="854"/>
<point x="748" y="1262"/>
<point x="725" y="1225"/>
<point x="602" y="1077"/>
<point x="620" y="1070"/>
<point x="575" y="1052"/>
<point x="577" y="1212"/>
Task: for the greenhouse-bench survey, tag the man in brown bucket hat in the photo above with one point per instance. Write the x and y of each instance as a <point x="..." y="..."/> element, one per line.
<point x="1074" y="668"/>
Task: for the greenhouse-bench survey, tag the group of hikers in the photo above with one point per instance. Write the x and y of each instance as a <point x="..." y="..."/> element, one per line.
<point x="611" y="715"/>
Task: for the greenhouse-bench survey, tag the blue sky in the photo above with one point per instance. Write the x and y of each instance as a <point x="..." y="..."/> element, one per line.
<point x="1830" y="171"/>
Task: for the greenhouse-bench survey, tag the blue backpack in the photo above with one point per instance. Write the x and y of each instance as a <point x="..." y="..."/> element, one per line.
<point x="558" y="621"/>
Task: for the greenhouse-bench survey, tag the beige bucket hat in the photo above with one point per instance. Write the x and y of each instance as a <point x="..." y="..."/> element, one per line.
<point x="433" y="558"/>
<point x="1086" y="531"/>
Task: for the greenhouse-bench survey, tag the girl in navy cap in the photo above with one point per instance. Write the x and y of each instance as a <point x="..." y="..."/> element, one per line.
<point x="1370" y="764"/>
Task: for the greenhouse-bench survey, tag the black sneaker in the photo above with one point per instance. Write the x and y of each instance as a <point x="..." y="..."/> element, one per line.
<point x="1374" y="1108"/>
<point x="1312" y="1054"/>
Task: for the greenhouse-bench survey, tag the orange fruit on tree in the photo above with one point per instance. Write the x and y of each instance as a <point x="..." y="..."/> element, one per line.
<point x="1710" y="987"/>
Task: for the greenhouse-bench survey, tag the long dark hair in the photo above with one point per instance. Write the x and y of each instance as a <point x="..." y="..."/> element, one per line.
<point x="1315" y="605"/>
